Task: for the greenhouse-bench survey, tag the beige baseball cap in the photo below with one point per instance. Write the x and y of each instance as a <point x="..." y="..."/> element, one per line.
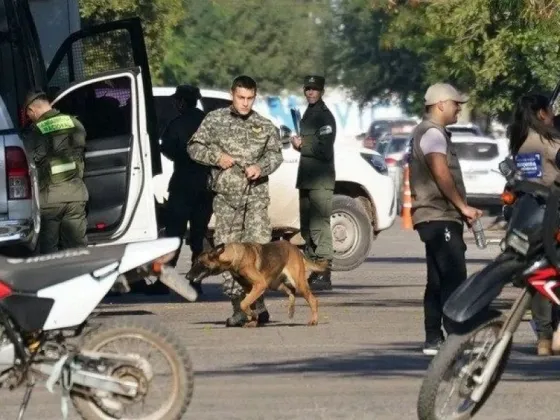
<point x="441" y="92"/>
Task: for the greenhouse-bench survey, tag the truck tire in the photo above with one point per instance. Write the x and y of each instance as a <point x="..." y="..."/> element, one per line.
<point x="352" y="233"/>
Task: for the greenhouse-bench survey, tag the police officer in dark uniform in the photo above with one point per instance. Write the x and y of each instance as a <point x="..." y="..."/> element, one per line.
<point x="190" y="199"/>
<point x="57" y="143"/>
<point x="316" y="178"/>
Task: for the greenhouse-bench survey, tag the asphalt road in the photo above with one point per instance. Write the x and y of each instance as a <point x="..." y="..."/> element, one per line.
<point x="363" y="361"/>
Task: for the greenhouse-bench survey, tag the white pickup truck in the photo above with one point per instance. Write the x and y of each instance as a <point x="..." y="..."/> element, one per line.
<point x="364" y="202"/>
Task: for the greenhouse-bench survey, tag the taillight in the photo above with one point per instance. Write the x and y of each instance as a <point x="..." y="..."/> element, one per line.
<point x="17" y="174"/>
<point x="390" y="161"/>
<point x="5" y="290"/>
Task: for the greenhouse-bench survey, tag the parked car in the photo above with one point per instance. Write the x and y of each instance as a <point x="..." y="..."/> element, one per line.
<point x="468" y="129"/>
<point x="395" y="151"/>
<point x="479" y="158"/>
<point x="364" y="202"/>
<point x="380" y="127"/>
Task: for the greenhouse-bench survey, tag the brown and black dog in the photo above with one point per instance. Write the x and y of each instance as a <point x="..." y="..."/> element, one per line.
<point x="277" y="265"/>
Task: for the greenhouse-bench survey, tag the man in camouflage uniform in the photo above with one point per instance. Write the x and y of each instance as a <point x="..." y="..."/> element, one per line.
<point x="243" y="148"/>
<point x="57" y="143"/>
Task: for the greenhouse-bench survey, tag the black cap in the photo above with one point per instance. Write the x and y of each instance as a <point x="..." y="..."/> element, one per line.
<point x="32" y="96"/>
<point x="187" y="92"/>
<point x="315" y="82"/>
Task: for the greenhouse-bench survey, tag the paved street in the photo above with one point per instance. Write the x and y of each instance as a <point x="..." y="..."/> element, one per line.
<point x="363" y="361"/>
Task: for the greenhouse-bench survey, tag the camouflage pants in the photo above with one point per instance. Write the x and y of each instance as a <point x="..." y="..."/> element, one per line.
<point x="62" y="227"/>
<point x="232" y="226"/>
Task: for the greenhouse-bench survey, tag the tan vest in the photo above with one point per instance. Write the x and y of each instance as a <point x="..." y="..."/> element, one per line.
<point x="428" y="202"/>
<point x="537" y="158"/>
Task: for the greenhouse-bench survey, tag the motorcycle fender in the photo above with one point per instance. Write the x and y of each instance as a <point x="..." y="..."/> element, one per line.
<point x="476" y="293"/>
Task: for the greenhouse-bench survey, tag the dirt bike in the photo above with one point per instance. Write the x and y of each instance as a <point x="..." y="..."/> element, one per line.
<point x="107" y="370"/>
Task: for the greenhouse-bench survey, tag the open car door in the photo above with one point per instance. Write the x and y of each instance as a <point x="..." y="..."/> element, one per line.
<point x="102" y="82"/>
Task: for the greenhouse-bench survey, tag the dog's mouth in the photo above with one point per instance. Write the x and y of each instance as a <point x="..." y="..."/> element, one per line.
<point x="197" y="274"/>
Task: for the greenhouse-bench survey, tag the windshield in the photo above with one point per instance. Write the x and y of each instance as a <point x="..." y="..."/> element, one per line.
<point x="381" y="147"/>
<point x="397" y="145"/>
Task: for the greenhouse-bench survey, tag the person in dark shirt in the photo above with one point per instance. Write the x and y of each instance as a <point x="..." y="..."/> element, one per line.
<point x="190" y="198"/>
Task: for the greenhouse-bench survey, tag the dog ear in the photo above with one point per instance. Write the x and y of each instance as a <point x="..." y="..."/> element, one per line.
<point x="219" y="249"/>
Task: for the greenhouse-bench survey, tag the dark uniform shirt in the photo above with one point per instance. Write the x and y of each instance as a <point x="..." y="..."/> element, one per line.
<point x="318" y="133"/>
<point x="187" y="174"/>
<point x="64" y="136"/>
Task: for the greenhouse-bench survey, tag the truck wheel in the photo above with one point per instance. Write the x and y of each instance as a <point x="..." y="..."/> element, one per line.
<point x="352" y="233"/>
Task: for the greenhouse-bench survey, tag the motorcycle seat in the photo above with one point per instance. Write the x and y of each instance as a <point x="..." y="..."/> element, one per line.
<point x="38" y="272"/>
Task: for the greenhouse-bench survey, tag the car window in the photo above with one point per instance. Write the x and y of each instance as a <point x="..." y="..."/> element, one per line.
<point x="21" y="62"/>
<point x="104" y="108"/>
<point x="397" y="145"/>
<point x="463" y="130"/>
<point x="165" y="111"/>
<point x="476" y="151"/>
<point x="211" y="104"/>
<point x="381" y="147"/>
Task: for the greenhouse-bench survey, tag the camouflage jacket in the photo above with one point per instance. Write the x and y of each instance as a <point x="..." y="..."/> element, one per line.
<point x="248" y="140"/>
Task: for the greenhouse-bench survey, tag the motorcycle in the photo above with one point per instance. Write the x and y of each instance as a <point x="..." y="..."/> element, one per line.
<point x="107" y="370"/>
<point x="473" y="358"/>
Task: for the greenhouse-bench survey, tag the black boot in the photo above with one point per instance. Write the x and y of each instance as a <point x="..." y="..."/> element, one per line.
<point x="261" y="311"/>
<point x="239" y="318"/>
<point x="321" y="281"/>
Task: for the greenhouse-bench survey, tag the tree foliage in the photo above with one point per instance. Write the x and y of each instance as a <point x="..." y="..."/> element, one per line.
<point x="494" y="49"/>
<point x="159" y="18"/>
<point x="275" y="41"/>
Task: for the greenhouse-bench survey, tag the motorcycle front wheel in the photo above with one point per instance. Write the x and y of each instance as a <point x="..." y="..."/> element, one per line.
<point x="459" y="360"/>
<point x="164" y="395"/>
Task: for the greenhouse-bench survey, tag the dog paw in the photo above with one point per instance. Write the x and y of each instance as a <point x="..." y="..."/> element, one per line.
<point x="312" y="323"/>
<point x="250" y="324"/>
<point x="291" y="312"/>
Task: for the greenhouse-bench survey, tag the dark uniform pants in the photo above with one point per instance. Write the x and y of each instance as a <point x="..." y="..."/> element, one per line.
<point x="63" y="226"/>
<point x="315" y="210"/>
<point x="194" y="208"/>
<point x="447" y="269"/>
<point x="544" y="315"/>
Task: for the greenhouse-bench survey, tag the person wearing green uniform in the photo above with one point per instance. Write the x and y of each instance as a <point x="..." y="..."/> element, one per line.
<point x="316" y="178"/>
<point x="56" y="143"/>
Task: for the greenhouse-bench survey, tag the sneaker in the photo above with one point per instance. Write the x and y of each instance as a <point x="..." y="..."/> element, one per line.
<point x="431" y="348"/>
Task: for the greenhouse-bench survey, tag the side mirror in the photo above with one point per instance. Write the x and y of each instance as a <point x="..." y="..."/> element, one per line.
<point x="285" y="134"/>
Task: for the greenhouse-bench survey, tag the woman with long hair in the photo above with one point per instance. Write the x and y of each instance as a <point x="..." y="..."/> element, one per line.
<point x="534" y="139"/>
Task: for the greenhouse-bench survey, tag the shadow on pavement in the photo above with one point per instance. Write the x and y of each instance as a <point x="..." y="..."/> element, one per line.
<point x="395" y="360"/>
<point x="419" y="260"/>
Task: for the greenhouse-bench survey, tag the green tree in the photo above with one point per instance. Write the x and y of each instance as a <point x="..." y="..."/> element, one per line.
<point x="159" y="18"/>
<point x="494" y="49"/>
<point x="275" y="41"/>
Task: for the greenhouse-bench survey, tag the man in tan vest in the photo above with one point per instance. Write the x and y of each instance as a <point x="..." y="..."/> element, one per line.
<point x="439" y="206"/>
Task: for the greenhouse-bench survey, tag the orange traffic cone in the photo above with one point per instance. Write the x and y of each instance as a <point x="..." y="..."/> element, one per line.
<point x="406" y="200"/>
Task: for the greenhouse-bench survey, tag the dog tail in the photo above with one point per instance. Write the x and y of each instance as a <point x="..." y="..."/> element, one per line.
<point x="317" y="267"/>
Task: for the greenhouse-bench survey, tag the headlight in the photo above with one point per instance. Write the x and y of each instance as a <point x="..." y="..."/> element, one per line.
<point x="518" y="241"/>
<point x="377" y="162"/>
